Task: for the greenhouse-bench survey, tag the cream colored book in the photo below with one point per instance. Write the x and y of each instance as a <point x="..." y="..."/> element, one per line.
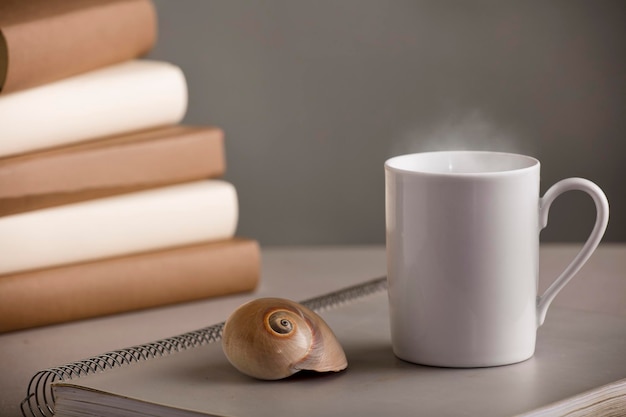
<point x="125" y="97"/>
<point x="577" y="370"/>
<point x="177" y="215"/>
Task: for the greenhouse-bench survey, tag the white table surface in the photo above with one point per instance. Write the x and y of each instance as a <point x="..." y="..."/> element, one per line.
<point x="292" y="272"/>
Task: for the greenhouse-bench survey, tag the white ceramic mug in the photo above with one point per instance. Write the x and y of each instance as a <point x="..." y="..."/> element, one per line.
<point x="462" y="255"/>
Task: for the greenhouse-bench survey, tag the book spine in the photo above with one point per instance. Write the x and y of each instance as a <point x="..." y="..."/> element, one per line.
<point x="134" y="95"/>
<point x="57" y="39"/>
<point x="111" y="166"/>
<point x="128" y="283"/>
<point x="171" y="216"/>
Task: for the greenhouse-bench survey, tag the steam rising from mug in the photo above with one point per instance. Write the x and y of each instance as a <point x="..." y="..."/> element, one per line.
<point x="469" y="131"/>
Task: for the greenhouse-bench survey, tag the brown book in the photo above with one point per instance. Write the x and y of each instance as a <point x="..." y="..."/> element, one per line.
<point x="47" y="40"/>
<point x="128" y="283"/>
<point x="110" y="166"/>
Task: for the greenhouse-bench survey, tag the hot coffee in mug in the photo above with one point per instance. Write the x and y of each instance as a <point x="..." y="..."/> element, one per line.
<point x="463" y="255"/>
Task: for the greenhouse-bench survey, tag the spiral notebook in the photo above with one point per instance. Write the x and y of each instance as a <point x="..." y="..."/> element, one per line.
<point x="578" y="370"/>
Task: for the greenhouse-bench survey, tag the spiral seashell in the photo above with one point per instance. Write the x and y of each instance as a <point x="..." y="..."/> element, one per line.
<point x="273" y="338"/>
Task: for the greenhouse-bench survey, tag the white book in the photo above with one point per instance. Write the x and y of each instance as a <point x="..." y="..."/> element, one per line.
<point x="134" y="95"/>
<point x="195" y="212"/>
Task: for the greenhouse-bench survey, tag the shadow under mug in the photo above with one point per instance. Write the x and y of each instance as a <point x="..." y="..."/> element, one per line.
<point x="463" y="255"/>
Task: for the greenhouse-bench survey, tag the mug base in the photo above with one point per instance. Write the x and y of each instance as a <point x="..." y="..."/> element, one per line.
<point x="473" y="363"/>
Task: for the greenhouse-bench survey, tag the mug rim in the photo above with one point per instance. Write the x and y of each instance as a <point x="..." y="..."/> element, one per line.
<point x="530" y="164"/>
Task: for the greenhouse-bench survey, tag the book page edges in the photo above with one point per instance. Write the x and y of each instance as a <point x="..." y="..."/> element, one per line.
<point x="597" y="401"/>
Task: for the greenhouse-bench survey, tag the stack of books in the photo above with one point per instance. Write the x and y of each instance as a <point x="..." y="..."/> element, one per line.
<point x="107" y="203"/>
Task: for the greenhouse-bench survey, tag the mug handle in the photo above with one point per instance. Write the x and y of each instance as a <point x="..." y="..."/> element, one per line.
<point x="602" y="219"/>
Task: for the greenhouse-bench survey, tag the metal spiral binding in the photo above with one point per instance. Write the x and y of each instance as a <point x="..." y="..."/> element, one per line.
<point x="39" y="399"/>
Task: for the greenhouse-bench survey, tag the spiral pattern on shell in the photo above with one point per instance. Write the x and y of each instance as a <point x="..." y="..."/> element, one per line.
<point x="273" y="338"/>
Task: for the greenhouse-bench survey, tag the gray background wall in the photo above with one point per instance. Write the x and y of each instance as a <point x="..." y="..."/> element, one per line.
<point x="315" y="95"/>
